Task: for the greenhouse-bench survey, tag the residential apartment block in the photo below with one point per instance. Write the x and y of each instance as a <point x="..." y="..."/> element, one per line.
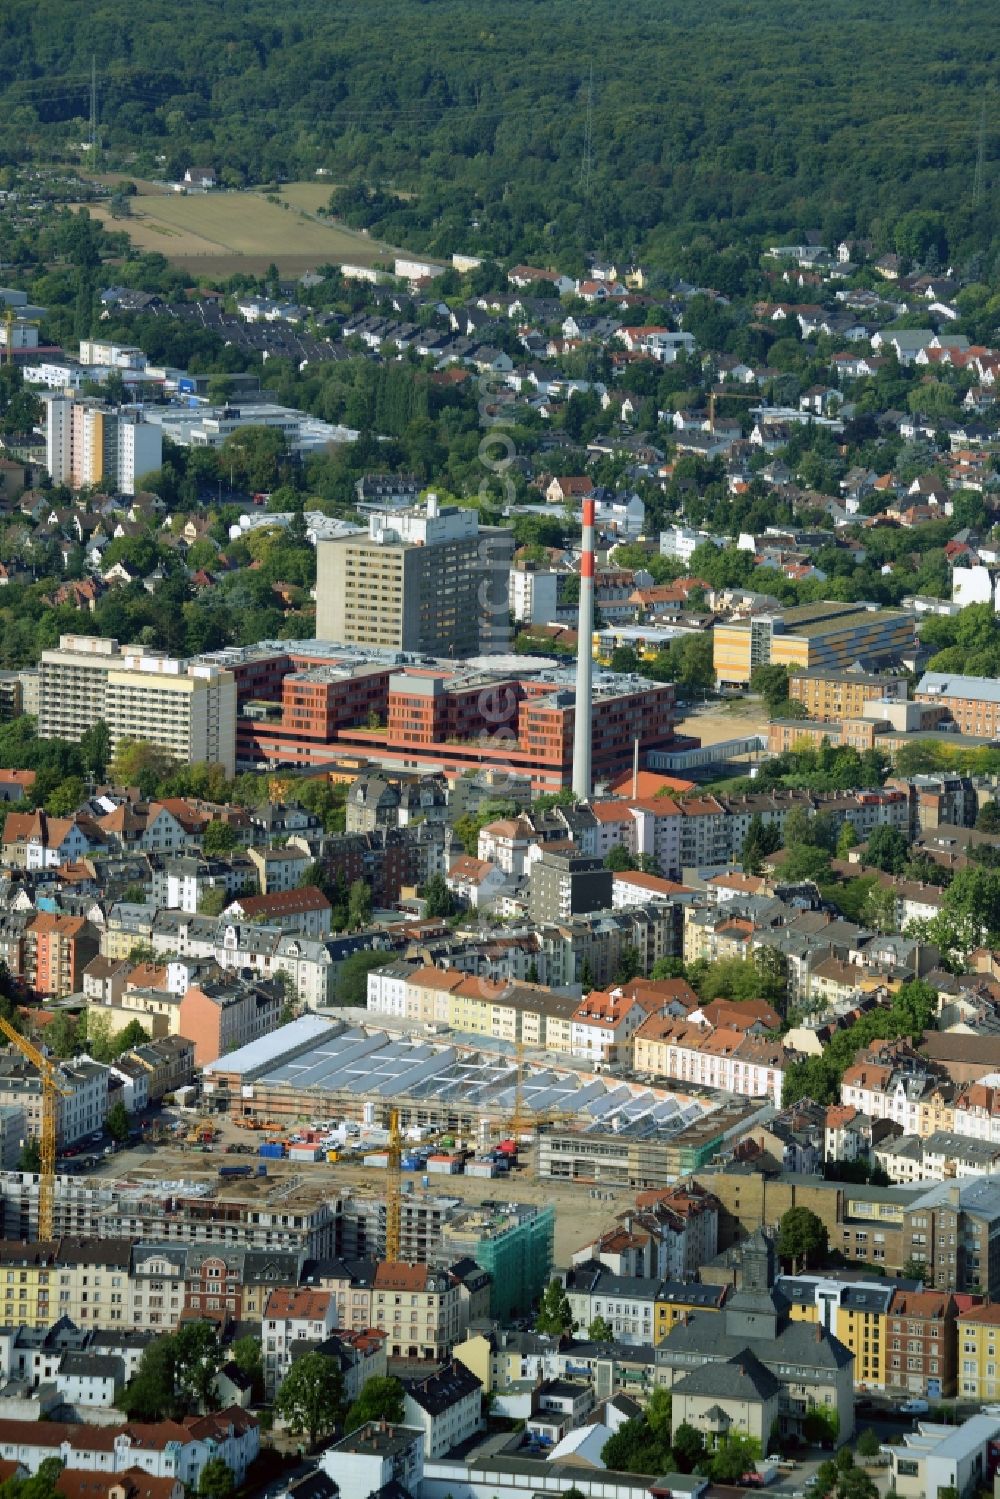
<point x="972" y="702"/>
<point x="419" y="1310"/>
<point x="831" y="695"/>
<point x="100" y="446"/>
<point x="81" y="1104"/>
<point x="184" y="708"/>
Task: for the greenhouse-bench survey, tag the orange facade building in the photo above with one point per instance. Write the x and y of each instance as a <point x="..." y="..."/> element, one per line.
<point x="308" y="705"/>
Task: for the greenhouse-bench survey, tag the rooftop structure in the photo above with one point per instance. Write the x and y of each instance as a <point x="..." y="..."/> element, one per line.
<point x="350" y="1069"/>
<point x="310" y="702"/>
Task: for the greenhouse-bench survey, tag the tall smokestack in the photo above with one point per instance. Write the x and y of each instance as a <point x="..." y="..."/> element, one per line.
<point x="584" y="660"/>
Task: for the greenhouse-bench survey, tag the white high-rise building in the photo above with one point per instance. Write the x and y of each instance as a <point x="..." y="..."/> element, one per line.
<point x="86" y="443"/>
<point x="186" y="708"/>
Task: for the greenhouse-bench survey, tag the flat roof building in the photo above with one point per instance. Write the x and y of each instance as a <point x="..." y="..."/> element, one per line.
<point x="821" y="635"/>
<point x="428" y="579"/>
<point x="184" y="707"/>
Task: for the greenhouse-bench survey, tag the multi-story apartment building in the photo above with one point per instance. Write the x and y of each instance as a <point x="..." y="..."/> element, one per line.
<point x="564" y="883"/>
<point x="302" y="1221"/>
<point x="669" y="1234"/>
<point x="429" y="580"/>
<point x="944" y="798"/>
<point x="156" y="1286"/>
<point x="855" y="1311"/>
<point x="978" y="1338"/>
<point x="627" y="1303"/>
<point x="185" y="708"/>
<point x="821" y="635"/>
<point x="830" y="696"/>
<point x="86" y="1280"/>
<point x="953" y="1229"/>
<point x="221" y="1015"/>
<point x="292" y="1317"/>
<point x="446" y="1406"/>
<point x="602" y="1025"/>
<point x="57" y="949"/>
<point x="973" y="702"/>
<point x="81" y="1104"/>
<point x="419" y="1310"/>
<point x="90" y="444"/>
<point x="920" y="1343"/>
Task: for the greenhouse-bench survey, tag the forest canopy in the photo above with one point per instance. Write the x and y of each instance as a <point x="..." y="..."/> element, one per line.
<point x="708" y="124"/>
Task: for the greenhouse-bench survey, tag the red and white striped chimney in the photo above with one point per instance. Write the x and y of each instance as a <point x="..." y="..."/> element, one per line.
<point x="583" y="726"/>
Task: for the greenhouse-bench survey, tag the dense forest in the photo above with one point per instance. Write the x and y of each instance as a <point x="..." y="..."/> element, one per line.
<point x="542" y="130"/>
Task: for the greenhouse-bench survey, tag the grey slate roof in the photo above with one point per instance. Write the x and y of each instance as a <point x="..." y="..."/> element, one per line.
<point x="742" y="1377"/>
<point x="797" y="1343"/>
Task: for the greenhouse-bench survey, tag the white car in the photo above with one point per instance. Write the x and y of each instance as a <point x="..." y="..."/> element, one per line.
<point x="914" y="1407"/>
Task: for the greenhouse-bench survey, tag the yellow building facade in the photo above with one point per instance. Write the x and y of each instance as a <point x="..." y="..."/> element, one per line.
<point x="979" y="1353"/>
<point x="820" y="636"/>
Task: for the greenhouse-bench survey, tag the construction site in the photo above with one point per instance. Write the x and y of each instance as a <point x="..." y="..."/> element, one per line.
<point x="315" y="1068"/>
<point x="332" y="1139"/>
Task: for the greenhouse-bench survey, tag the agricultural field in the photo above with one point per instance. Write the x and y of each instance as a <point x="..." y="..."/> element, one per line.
<point x="220" y="234"/>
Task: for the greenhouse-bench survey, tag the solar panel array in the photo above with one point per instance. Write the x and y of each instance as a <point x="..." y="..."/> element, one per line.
<point x="375" y="1064"/>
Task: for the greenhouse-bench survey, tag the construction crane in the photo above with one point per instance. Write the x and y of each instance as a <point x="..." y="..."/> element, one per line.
<point x="49" y="1077"/>
<point x="517" y="1124"/>
<point x="393" y="1190"/>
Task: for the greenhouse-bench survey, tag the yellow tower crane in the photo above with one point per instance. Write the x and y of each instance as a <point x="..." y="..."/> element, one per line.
<point x="48" y="1075"/>
<point x="393" y="1191"/>
<point x="517" y="1124"/>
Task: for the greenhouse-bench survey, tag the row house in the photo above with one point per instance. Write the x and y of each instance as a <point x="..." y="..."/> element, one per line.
<point x="726" y="1058"/>
<point x="35" y="841"/>
<point x="177" y="1450"/>
<point x="602" y="1024"/>
<point x="893" y="1083"/>
<point x="593" y="1028"/>
<point x="977" y="1112"/>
